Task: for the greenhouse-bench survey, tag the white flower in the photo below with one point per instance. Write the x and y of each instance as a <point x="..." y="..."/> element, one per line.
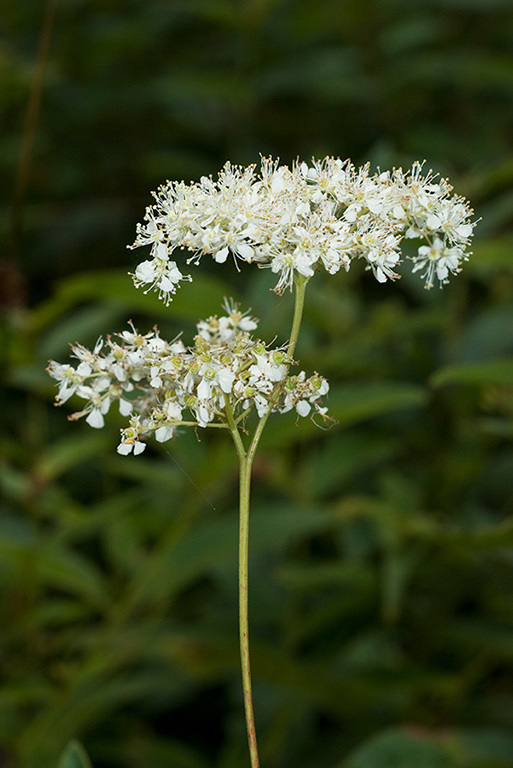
<point x="125" y="407"/>
<point x="162" y="379"/>
<point x="303" y="407"/>
<point x="225" y="377"/>
<point x="173" y="410"/>
<point x="125" y="448"/>
<point x="67" y="376"/>
<point x="95" y="418"/>
<point x="438" y="260"/>
<point x="261" y="404"/>
<point x="451" y="220"/>
<point x="160" y="273"/>
<point x="164" y="433"/>
<point x="297" y="220"/>
<point x="267" y="370"/>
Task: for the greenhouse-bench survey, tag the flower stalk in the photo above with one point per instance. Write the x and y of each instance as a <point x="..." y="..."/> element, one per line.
<point x="244" y="500"/>
<point x="246" y="463"/>
<point x="300" y="283"/>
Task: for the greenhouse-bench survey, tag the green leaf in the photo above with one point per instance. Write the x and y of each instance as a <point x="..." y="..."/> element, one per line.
<point x="399" y="748"/>
<point x="71" y="572"/>
<point x="488" y="335"/>
<point x="348" y="404"/>
<point x="492" y="253"/>
<point x="184" y="87"/>
<point x="84" y="324"/>
<point x="485" y="747"/>
<point x="344" y="455"/>
<point x="355" y="402"/>
<point x="70" y="451"/>
<point x="74" y="756"/>
<point x="17" y="537"/>
<point x="403" y="748"/>
<point x="160" y="752"/>
<point x="489" y="372"/>
<point x="198" y="551"/>
<point x="115" y="287"/>
<point x="482" y="537"/>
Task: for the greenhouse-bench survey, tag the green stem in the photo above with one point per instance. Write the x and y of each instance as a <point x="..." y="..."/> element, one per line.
<point x="299" y="303"/>
<point x="232" y="426"/>
<point x="244" y="496"/>
<point x="245" y="465"/>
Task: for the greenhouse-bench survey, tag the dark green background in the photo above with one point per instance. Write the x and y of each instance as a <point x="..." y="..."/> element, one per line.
<point x="381" y="567"/>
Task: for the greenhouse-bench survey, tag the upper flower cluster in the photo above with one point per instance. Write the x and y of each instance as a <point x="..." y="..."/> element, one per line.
<point x="300" y="219"/>
<point x="218" y="381"/>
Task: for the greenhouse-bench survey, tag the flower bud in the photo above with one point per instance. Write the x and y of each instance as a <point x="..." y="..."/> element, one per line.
<point x="278" y="357"/>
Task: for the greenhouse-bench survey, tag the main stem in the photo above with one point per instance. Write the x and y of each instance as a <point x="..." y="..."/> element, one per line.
<point x="244" y="495"/>
<point x="245" y="464"/>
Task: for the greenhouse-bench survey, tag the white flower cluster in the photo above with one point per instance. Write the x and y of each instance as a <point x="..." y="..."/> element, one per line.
<point x="300" y="219"/>
<point x="218" y="381"/>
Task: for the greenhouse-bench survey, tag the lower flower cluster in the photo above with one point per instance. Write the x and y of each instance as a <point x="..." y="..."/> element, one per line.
<point x="161" y="385"/>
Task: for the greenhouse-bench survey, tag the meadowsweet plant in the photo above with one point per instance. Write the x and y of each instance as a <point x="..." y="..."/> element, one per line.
<point x="294" y="221"/>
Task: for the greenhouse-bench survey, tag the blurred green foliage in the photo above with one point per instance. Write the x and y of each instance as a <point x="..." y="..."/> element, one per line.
<point x="381" y="565"/>
<point x="74" y="756"/>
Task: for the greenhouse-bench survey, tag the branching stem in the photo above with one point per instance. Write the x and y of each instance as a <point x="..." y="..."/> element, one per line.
<point x="246" y="458"/>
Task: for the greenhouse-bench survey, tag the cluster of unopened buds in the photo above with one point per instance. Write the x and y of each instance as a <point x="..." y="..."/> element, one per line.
<point x="161" y="385"/>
